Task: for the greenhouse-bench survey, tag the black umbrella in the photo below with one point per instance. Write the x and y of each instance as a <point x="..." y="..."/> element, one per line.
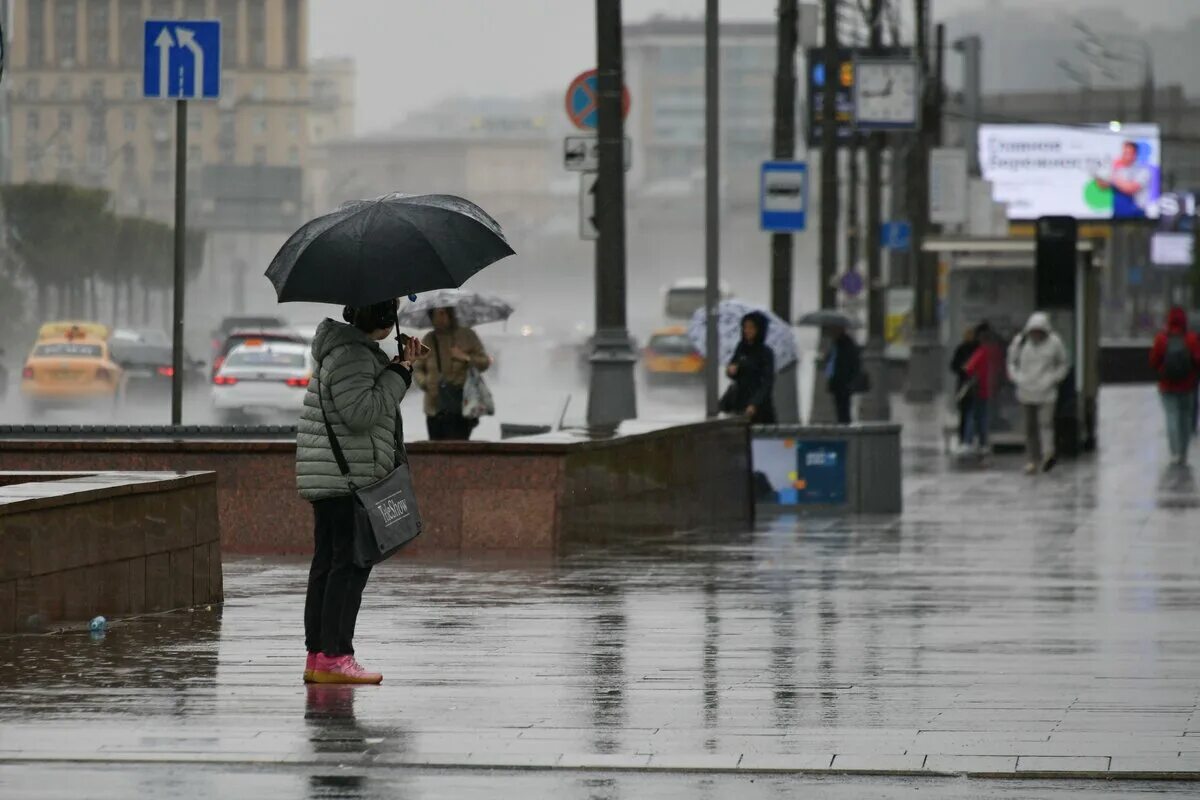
<point x="372" y="250"/>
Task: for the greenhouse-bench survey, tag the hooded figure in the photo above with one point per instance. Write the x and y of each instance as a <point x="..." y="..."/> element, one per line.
<point x="1175" y="356"/>
<point x="1037" y="365"/>
<point x="752" y="369"/>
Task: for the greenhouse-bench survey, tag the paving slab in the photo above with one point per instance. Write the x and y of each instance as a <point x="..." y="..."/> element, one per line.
<point x="1004" y="625"/>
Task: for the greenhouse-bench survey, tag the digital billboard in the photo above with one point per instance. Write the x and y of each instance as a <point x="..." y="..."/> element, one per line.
<point x="1097" y="172"/>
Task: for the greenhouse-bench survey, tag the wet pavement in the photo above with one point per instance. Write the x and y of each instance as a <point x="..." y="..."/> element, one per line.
<point x="1005" y="631"/>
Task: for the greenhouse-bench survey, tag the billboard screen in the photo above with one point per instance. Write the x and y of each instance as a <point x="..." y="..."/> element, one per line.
<point x="1087" y="172"/>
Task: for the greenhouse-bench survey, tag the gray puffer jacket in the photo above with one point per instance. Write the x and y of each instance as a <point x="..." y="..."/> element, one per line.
<point x="362" y="395"/>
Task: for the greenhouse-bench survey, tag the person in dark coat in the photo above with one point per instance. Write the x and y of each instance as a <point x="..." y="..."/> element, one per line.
<point x="958" y="365"/>
<point x="842" y="367"/>
<point x="752" y="369"/>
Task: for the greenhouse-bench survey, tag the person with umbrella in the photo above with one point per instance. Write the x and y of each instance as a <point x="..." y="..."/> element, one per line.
<point x="360" y="389"/>
<point x="843" y="370"/>
<point x="456" y="349"/>
<point x="363" y="256"/>
<point x="752" y="370"/>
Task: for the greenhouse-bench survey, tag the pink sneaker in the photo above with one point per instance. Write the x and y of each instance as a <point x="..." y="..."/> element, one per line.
<point x="310" y="666"/>
<point x="342" y="669"/>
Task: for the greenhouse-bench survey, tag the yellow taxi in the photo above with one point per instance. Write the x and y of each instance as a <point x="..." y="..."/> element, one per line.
<point x="70" y="365"/>
<point x="669" y="354"/>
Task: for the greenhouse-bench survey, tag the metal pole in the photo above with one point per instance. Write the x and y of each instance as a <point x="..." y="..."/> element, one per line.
<point x="829" y="159"/>
<point x="971" y="48"/>
<point x="787" y="403"/>
<point x="712" y="200"/>
<point x="784" y="149"/>
<point x="853" y="189"/>
<point x="876" y="406"/>
<point x="924" y="368"/>
<point x="181" y="130"/>
<point x="611" y="394"/>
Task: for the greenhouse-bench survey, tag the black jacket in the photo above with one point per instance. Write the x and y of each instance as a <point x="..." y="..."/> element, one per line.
<point x="847" y="364"/>
<point x="958" y="363"/>
<point x="754" y="382"/>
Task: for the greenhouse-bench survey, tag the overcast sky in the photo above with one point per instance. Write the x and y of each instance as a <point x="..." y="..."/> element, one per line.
<point x="411" y="53"/>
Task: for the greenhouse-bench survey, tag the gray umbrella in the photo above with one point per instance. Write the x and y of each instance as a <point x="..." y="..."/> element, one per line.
<point x="372" y="250"/>
<point x="827" y="318"/>
<point x="470" y="308"/>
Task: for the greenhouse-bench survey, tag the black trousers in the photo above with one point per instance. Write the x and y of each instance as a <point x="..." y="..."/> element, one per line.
<point x="964" y="413"/>
<point x="335" y="584"/>
<point x="446" y="427"/>
<point x="841" y="403"/>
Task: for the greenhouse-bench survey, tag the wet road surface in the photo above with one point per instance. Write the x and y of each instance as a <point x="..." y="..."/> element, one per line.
<point x="1005" y="626"/>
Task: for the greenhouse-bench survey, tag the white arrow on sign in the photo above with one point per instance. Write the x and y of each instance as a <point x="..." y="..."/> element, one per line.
<point x="164" y="43"/>
<point x="188" y="39"/>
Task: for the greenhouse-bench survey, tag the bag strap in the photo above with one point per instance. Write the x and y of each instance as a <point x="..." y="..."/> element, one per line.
<point x="334" y="444"/>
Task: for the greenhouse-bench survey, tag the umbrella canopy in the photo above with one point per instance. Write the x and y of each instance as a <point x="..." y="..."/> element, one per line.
<point x="827" y="318"/>
<point x="729" y="328"/>
<point x="372" y="250"/>
<point x="470" y="308"/>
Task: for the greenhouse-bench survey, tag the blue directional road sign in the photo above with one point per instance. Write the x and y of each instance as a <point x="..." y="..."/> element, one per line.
<point x="182" y="59"/>
<point x="896" y="235"/>
<point x="783" y="199"/>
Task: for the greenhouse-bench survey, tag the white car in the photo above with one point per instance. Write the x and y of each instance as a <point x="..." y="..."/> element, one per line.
<point x="262" y="378"/>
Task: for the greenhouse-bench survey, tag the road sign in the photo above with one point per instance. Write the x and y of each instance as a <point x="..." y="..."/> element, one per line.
<point x="783" y="196"/>
<point x="851" y="283"/>
<point x="582" y="101"/>
<point x="582" y="153"/>
<point x="182" y="59"/>
<point x="588" y="230"/>
<point x="948" y="203"/>
<point x="896" y="235"/>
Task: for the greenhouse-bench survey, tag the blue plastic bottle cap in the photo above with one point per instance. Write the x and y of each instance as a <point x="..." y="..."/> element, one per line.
<point x="98" y="623"/>
<point x="412" y="298"/>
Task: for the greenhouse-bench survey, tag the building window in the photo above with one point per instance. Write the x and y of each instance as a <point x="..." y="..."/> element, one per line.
<point x="291" y="33"/>
<point x="195" y="9"/>
<point x="260" y="155"/>
<point x="66" y="156"/>
<point x="259" y="92"/>
<point x="32" y="89"/>
<point x="260" y="124"/>
<point x="293" y="89"/>
<point x="35" y="32"/>
<point x="196" y="120"/>
<point x="195" y="156"/>
<point x="98" y="50"/>
<point x="62" y="89"/>
<point x="294" y="156"/>
<point x="65" y="120"/>
<point x="293" y="125"/>
<point x="131" y="122"/>
<point x="33" y="122"/>
<point x="129" y="154"/>
<point x="96" y="90"/>
<point x="257" y="32"/>
<point x="66" y="33"/>
<point x="228" y="13"/>
<point x="228" y="153"/>
<point x="131" y="21"/>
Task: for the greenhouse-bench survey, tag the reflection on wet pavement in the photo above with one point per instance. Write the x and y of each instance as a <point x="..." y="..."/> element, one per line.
<point x="1003" y="626"/>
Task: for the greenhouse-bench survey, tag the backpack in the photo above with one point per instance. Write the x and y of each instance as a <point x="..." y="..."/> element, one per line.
<point x="1177" y="363"/>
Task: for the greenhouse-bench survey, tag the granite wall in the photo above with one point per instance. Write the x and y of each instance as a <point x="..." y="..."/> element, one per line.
<point x="536" y="494"/>
<point x="115" y="544"/>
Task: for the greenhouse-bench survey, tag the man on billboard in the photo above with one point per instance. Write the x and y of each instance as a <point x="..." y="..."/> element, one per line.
<point x="1130" y="181"/>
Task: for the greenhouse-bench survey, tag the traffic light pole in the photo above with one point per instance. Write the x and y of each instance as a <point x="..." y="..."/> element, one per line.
<point x="876" y="404"/>
<point x="181" y="131"/>
<point x="787" y="403"/>
<point x="611" y="394"/>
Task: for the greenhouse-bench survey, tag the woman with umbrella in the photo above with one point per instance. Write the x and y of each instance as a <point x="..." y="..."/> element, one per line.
<point x="752" y="370"/>
<point x="456" y="350"/>
<point x="358" y="389"/>
<point x="365" y="251"/>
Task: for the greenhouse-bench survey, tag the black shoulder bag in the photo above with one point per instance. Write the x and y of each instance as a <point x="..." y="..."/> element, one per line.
<point x="385" y="512"/>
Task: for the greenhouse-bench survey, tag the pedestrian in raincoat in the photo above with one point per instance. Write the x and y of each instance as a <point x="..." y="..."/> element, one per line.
<point x="454" y="350"/>
<point x="752" y="369"/>
<point x="1175" y="356"/>
<point x="1037" y="365"/>
<point x="360" y="389"/>
<point x="843" y="371"/>
<point x="958" y="364"/>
